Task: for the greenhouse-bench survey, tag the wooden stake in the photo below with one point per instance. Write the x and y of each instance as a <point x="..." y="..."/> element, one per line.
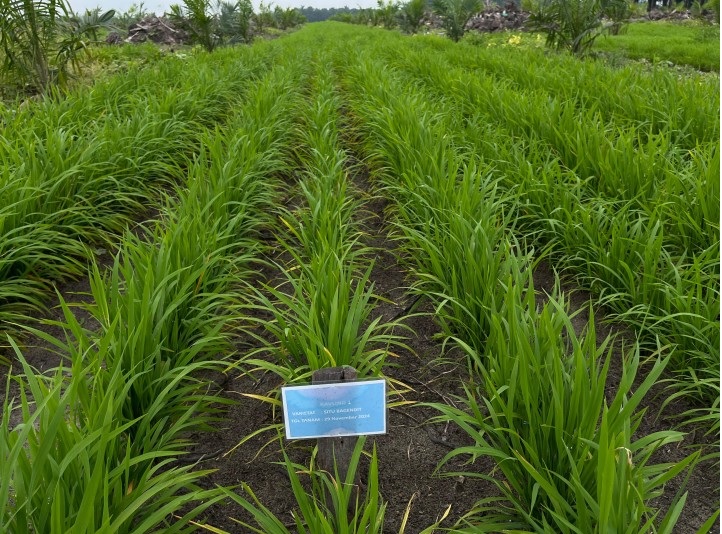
<point x="339" y="449"/>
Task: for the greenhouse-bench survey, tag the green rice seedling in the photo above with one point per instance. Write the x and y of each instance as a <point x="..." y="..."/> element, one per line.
<point x="633" y="258"/>
<point x="163" y="311"/>
<point x="686" y="317"/>
<point x="462" y="254"/>
<point x="566" y="452"/>
<point x="325" y="508"/>
<point x="321" y="315"/>
<point x="69" y="180"/>
<point x="323" y="321"/>
<point x="162" y="400"/>
<point x="334" y="505"/>
<point x="630" y="95"/>
<point x="165" y="318"/>
<point x="637" y="244"/>
<point x="619" y="253"/>
<point x="327" y="224"/>
<point x="68" y="466"/>
<point x="690" y="202"/>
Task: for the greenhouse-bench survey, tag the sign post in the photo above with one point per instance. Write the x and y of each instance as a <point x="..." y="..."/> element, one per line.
<point x="340" y="448"/>
<point x="335" y="409"/>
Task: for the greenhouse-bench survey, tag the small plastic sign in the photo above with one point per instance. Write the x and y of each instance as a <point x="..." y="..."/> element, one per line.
<point x="334" y="410"/>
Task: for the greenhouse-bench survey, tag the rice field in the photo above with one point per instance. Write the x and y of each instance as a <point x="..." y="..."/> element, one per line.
<point x="524" y="244"/>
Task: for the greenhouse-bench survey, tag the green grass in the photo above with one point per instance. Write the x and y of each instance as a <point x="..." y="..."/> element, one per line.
<point x="693" y="44"/>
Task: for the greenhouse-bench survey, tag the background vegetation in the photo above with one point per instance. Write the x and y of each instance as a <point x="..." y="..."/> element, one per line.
<point x="695" y="44"/>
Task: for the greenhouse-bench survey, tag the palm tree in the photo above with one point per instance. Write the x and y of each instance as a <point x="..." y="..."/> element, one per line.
<point x="455" y="14"/>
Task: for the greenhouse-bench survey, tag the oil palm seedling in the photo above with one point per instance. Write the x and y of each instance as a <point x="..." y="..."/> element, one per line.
<point x="41" y="41"/>
<point x="455" y="14"/>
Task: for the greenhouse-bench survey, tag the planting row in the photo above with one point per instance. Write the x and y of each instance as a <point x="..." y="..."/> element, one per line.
<point x="76" y="171"/>
<point x="318" y="316"/>
<point x="652" y="256"/>
<point x="654" y="100"/>
<point x="320" y="312"/>
<point x="536" y="401"/>
<point x="102" y="442"/>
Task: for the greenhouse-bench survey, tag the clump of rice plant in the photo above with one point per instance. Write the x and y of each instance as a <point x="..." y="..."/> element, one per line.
<point x="567" y="452"/>
<point x="333" y="505"/>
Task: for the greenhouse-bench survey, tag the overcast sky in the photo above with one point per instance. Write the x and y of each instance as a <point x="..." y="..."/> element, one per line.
<point x="159" y="6"/>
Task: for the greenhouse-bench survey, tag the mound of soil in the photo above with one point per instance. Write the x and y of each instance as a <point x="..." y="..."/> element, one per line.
<point x="498" y="18"/>
<point x="159" y="30"/>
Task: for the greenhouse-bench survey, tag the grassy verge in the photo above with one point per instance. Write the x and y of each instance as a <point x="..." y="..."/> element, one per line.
<point x="691" y="43"/>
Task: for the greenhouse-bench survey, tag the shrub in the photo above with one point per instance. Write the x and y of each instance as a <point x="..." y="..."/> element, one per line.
<point x="386" y="14"/>
<point x="411" y="15"/>
<point x="195" y="17"/>
<point x="455" y="14"/>
<point x="41" y="40"/>
<point x="575" y="24"/>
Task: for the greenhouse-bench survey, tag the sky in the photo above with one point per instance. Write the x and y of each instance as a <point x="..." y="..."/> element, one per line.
<point x="159" y="6"/>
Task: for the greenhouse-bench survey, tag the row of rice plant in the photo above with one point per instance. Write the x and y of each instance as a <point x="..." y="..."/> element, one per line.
<point x="653" y="259"/>
<point x="661" y="274"/>
<point x="320" y="315"/>
<point x="657" y="99"/>
<point x="536" y="402"/>
<point x="613" y="159"/>
<point x="98" y="451"/>
<point x="78" y="169"/>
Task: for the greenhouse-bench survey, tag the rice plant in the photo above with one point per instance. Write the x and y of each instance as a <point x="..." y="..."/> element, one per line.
<point x="163" y="309"/>
<point x="71" y="465"/>
<point x="489" y="159"/>
<point x="320" y="315"/>
<point x="325" y="508"/>
<point x="333" y="505"/>
<point x="69" y="183"/>
<point x="567" y="453"/>
<point x="585" y="480"/>
<point x="627" y="190"/>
